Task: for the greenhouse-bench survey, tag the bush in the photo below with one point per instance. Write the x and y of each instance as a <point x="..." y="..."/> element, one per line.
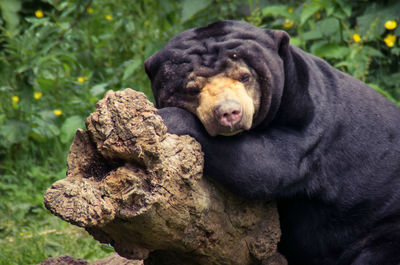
<point x="57" y="60"/>
<point x="357" y="37"/>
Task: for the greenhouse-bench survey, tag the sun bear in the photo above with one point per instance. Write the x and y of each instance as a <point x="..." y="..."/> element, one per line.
<point x="277" y="122"/>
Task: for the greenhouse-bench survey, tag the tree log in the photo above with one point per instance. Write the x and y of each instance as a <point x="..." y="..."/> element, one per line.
<point x="133" y="185"/>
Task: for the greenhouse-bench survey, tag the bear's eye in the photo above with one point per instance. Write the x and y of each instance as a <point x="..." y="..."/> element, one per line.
<point x="244" y="78"/>
<point x="193" y="92"/>
<point x="193" y="89"/>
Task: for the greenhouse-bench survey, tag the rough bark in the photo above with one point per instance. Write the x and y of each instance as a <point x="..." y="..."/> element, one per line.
<point x="133" y="185"/>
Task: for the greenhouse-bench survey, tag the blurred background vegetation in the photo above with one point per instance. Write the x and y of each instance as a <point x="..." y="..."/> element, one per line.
<point x="58" y="57"/>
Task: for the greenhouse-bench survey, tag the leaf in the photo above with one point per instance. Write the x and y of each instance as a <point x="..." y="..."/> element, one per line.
<point x="277" y="10"/>
<point x="12" y="132"/>
<point x="311" y="35"/>
<point x="10" y="9"/>
<point x="384" y="93"/>
<point x="329" y="26"/>
<point x="397" y="31"/>
<point x="46" y="115"/>
<point x="370" y="51"/>
<point x="98" y="89"/>
<point x="395" y="51"/>
<point x="44" y="83"/>
<point x="167" y="6"/>
<point x="152" y="47"/>
<point x="342" y="64"/>
<point x="345" y="6"/>
<point x="331" y="50"/>
<point x="296" y="41"/>
<point x="69" y="127"/>
<point x="308" y="11"/>
<point x="330" y="8"/>
<point x="367" y="25"/>
<point x="130" y="69"/>
<point x="190" y="8"/>
<point x="43" y="128"/>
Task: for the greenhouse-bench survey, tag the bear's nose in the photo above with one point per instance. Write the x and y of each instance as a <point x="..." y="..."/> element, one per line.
<point x="228" y="113"/>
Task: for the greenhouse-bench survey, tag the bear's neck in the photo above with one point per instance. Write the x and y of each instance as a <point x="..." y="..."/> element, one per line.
<point x="296" y="107"/>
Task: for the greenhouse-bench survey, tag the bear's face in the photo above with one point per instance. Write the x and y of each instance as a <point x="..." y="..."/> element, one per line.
<point x="225" y="103"/>
<point x="230" y="74"/>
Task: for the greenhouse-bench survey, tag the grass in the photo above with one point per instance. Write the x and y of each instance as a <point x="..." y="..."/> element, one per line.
<point x="36" y="242"/>
<point x="29" y="233"/>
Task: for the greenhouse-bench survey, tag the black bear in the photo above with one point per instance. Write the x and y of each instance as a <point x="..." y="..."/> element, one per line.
<point x="277" y="122"/>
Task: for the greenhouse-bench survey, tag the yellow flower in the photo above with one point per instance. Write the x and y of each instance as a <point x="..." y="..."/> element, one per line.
<point x="15" y="99"/>
<point x="290" y="10"/>
<point x="37" y="95"/>
<point x="21" y="233"/>
<point x="109" y="17"/>
<point x="356" y="37"/>
<point x="288" y="24"/>
<point x="39" y="13"/>
<point x="82" y="79"/>
<point x="57" y="112"/>
<point x="390" y="24"/>
<point x="390" y="39"/>
<point x="90" y="10"/>
<point x="146" y="23"/>
<point x="318" y="15"/>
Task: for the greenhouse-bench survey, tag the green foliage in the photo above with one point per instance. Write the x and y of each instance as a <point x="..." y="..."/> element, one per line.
<point x="192" y="7"/>
<point x="59" y="57"/>
<point x="349" y="34"/>
<point x="71" y="53"/>
<point x="10" y="9"/>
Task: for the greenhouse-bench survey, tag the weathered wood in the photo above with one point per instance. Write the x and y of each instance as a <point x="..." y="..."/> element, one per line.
<point x="133" y="185"/>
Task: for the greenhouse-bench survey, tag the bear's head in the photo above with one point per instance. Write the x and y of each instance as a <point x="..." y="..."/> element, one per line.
<point x="229" y="74"/>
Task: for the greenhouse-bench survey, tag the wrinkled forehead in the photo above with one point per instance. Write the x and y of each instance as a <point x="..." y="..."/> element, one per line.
<point x="209" y="46"/>
<point x="233" y="69"/>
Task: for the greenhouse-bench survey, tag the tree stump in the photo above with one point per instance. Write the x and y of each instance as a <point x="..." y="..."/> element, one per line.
<point x="133" y="185"/>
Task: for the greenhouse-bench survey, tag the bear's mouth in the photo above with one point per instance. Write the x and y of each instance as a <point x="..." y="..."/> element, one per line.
<point x="230" y="133"/>
<point x="214" y="128"/>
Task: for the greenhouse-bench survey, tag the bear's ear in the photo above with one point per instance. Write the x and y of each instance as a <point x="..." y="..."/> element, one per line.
<point x="148" y="67"/>
<point x="281" y="39"/>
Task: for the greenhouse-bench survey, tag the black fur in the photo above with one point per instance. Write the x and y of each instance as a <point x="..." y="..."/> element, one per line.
<point x="325" y="145"/>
